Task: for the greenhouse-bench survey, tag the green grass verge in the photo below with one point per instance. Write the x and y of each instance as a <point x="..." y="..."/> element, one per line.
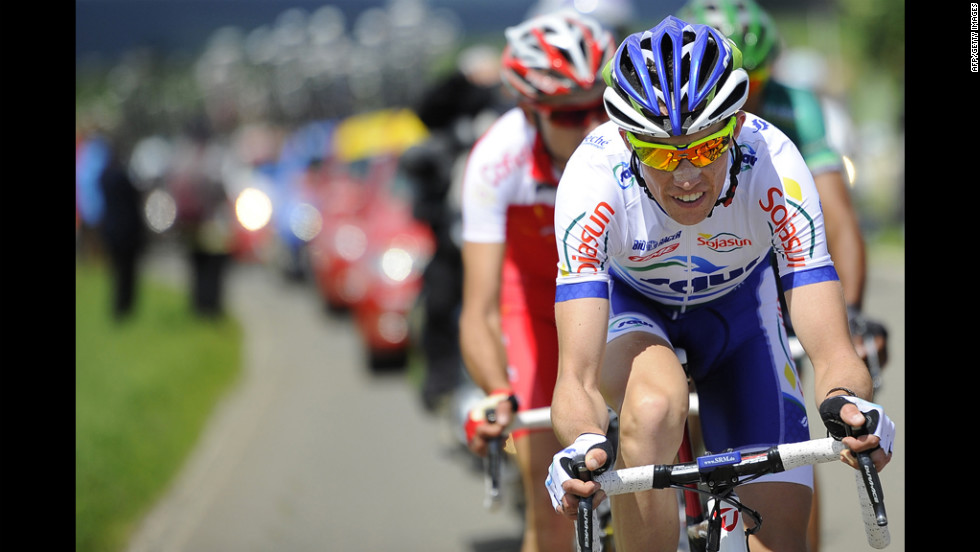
<point x="144" y="389"/>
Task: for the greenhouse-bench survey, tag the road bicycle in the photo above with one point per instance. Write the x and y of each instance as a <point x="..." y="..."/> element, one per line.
<point x="707" y="484"/>
<point x="717" y="476"/>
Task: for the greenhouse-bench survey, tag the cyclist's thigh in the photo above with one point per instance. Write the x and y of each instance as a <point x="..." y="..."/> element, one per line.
<point x="635" y="326"/>
<point x="548" y="530"/>
<point x="532" y="357"/>
<point x="751" y="400"/>
<point x="535" y="450"/>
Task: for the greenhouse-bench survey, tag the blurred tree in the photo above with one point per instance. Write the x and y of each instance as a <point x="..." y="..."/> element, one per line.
<point x="878" y="29"/>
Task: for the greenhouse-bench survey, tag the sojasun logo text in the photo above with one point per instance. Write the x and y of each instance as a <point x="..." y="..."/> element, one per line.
<point x="723" y="242"/>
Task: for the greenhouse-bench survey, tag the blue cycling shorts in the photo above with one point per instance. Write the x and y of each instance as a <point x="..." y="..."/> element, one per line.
<point x="749" y="393"/>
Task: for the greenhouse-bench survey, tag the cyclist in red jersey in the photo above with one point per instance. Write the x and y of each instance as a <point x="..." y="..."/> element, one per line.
<point x="507" y="324"/>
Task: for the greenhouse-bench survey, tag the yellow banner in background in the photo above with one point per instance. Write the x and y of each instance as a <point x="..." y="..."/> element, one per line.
<point x="386" y="131"/>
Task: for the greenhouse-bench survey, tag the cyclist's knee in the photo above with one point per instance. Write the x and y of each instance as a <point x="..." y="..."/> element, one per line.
<point x="651" y="414"/>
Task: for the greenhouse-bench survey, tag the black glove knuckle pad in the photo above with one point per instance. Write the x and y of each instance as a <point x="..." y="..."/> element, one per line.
<point x="610" y="456"/>
<point x="830" y="414"/>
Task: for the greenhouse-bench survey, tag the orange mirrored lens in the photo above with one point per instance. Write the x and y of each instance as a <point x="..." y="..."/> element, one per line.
<point x="700" y="154"/>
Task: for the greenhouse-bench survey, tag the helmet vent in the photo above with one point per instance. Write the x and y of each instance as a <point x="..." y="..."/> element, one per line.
<point x="733" y="99"/>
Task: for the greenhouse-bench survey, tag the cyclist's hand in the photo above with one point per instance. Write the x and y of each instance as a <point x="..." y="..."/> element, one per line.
<point x="862" y="426"/>
<point x="863" y="327"/>
<point x="562" y="484"/>
<point x="503" y="405"/>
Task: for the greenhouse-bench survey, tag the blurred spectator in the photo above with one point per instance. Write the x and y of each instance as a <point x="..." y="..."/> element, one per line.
<point x="456" y="110"/>
<point x="203" y="216"/>
<point x="123" y="230"/>
<point x="301" y="179"/>
<point x="91" y="155"/>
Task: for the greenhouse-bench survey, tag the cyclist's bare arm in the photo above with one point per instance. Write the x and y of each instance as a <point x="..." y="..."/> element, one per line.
<point x="479" y="321"/>
<point x="581" y="327"/>
<point x="480" y="338"/>
<point x="820" y="322"/>
<point x="578" y="406"/>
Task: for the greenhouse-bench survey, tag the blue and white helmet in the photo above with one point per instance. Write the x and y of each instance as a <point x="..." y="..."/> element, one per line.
<point x="675" y="79"/>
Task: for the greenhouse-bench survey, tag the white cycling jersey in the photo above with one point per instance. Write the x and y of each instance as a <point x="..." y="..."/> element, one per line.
<point x="605" y="223"/>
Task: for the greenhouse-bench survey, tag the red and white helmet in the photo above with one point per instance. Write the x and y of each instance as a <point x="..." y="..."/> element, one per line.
<point x="556" y="54"/>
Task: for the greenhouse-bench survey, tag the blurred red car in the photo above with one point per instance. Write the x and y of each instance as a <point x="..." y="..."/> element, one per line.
<point x="365" y="150"/>
<point x="342" y="240"/>
<point x="388" y="276"/>
<point x="370" y="253"/>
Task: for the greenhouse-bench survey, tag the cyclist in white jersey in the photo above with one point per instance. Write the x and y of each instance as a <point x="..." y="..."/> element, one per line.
<point x="507" y="323"/>
<point x="799" y="114"/>
<point x="666" y="217"/>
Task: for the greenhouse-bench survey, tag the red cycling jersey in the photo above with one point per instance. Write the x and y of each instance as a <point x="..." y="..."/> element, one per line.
<point x="508" y="196"/>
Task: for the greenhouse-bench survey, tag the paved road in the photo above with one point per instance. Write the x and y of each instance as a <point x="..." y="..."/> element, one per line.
<point x="310" y="452"/>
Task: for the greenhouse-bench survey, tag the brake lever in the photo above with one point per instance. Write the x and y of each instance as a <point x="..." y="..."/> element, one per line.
<point x="872" y="481"/>
<point x="494" y="453"/>
<point x="584" y="527"/>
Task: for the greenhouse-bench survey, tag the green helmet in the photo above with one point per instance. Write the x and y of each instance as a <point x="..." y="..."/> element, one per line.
<point x="743" y="21"/>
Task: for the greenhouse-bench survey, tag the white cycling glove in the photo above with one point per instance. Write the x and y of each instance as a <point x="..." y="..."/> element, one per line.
<point x="876" y="421"/>
<point x="561" y="465"/>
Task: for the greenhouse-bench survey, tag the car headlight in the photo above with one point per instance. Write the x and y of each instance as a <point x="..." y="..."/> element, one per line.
<point x="350" y="242"/>
<point x="305" y="221"/>
<point x="397" y="264"/>
<point x="393" y="327"/>
<point x="253" y="209"/>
